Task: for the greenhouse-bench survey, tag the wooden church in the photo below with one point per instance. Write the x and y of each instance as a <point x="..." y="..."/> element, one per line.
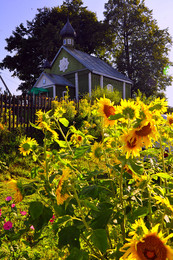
<point x="79" y="71"/>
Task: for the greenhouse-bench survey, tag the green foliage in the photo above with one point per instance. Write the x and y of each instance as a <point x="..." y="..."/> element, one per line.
<point x="99" y="92"/>
<point x="9" y="144"/>
<point x="81" y="204"/>
<point x="43" y="34"/>
<point x="140" y="48"/>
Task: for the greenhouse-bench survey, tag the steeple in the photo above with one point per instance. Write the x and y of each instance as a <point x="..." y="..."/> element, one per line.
<point x="68" y="34"/>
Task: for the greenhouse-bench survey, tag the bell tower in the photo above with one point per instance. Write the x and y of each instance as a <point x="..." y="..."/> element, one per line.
<point x="68" y="34"/>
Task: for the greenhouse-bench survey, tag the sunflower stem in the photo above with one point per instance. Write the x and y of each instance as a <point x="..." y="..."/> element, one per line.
<point x="150" y="207"/>
<point x="163" y="162"/>
<point x="45" y="156"/>
<point x="122" y="204"/>
<point x="65" y="138"/>
<point x="80" y="207"/>
<point x="96" y="254"/>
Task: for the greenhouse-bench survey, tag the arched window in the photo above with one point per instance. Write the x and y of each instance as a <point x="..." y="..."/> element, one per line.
<point x="110" y="87"/>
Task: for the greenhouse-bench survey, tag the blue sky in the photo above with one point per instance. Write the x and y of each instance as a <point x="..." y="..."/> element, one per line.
<point x="14" y="12"/>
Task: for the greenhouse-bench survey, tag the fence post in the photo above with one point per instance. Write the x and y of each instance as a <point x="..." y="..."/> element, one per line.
<point x="19" y="111"/>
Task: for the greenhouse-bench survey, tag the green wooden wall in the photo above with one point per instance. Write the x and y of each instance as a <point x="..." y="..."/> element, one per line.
<point x="83" y="82"/>
<point x="128" y="91"/>
<point x="60" y="89"/>
<point x="74" y="65"/>
<point x="117" y="85"/>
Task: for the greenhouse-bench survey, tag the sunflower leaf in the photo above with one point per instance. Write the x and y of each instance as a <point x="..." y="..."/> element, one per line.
<point x="116" y="116"/>
<point x="99" y="239"/>
<point x="138" y="213"/>
<point x="76" y="253"/>
<point x="156" y="107"/>
<point x="80" y="151"/>
<point x="35" y="126"/>
<point x="134" y="167"/>
<point x="163" y="175"/>
<point x="64" y="121"/>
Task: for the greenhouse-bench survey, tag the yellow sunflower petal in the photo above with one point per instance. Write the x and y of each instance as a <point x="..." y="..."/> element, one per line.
<point x="106" y="109"/>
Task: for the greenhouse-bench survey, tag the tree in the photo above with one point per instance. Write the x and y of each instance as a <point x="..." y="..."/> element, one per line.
<point x="40" y="39"/>
<point x="140" y="48"/>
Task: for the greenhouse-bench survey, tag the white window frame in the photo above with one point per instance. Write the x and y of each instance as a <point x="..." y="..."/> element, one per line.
<point x="69" y="41"/>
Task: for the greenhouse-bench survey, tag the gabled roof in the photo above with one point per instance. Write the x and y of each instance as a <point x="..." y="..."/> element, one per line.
<point x="59" y="80"/>
<point x="94" y="64"/>
<point x="55" y="79"/>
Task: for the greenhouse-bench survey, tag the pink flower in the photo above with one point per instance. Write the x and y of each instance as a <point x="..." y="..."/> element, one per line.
<point x="13" y="205"/>
<point x="0" y="213"/>
<point x="52" y="219"/>
<point x="8" y="198"/>
<point x="32" y="227"/>
<point x="8" y="225"/>
<point x="23" y="213"/>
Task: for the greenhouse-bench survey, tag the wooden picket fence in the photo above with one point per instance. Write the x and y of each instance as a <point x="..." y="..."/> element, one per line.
<point x="19" y="111"/>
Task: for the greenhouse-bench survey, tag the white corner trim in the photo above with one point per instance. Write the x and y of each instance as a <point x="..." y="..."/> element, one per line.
<point x="54" y="91"/>
<point x="101" y="81"/>
<point x="124" y="90"/>
<point x="89" y="83"/>
<point x="77" y="85"/>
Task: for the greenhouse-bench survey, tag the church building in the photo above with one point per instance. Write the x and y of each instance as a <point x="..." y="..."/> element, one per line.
<point x="79" y="71"/>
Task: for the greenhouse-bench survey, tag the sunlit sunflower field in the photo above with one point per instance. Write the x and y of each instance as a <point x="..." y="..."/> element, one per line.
<point x="100" y="184"/>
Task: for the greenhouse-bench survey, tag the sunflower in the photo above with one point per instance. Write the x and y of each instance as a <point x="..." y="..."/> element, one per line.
<point x="132" y="144"/>
<point x="129" y="109"/>
<point x="144" y="111"/>
<point x="163" y="201"/>
<point x="39" y="114"/>
<point x="106" y="109"/>
<point x="146" y="245"/>
<point x="170" y="120"/>
<point x="62" y="196"/>
<point x="15" y="186"/>
<point x="27" y="145"/>
<point x="147" y="131"/>
<point x="77" y="139"/>
<point x="110" y="142"/>
<point x="96" y="152"/>
<point x="43" y="121"/>
<point x="159" y="106"/>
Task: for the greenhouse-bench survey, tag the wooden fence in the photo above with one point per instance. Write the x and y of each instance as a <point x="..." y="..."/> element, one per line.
<point x="19" y="111"/>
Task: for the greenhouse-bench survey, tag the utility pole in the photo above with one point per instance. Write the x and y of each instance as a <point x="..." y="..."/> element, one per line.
<point x="5" y="85"/>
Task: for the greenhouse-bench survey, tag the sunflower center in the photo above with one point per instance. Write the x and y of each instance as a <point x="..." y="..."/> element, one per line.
<point x="144" y="131"/>
<point x="79" y="138"/>
<point x="132" y="142"/>
<point x="151" y="248"/>
<point x="26" y="146"/>
<point x="150" y="255"/>
<point x="109" y="110"/>
<point x="171" y="121"/>
<point x="98" y="152"/>
<point x="129" y="112"/>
